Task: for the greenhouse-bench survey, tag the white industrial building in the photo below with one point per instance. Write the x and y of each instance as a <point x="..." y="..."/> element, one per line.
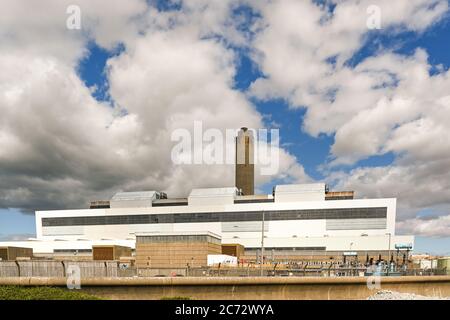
<point x="297" y="218"/>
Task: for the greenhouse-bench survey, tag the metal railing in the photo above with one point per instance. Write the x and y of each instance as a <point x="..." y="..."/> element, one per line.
<point x="90" y="269"/>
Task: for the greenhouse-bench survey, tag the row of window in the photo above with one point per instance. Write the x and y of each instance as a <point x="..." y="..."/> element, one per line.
<point x="309" y="214"/>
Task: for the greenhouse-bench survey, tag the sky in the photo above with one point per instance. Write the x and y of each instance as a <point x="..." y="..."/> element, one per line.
<point x="88" y="112"/>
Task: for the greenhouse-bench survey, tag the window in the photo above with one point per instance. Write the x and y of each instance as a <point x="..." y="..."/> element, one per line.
<point x="346" y="213"/>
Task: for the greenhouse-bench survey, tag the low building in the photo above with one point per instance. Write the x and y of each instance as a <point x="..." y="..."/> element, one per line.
<point x="12" y="253"/>
<point x="424" y="261"/>
<point x="176" y="251"/>
<point x="233" y="249"/>
<point x="110" y="252"/>
<point x="64" y="249"/>
<point x="444" y="264"/>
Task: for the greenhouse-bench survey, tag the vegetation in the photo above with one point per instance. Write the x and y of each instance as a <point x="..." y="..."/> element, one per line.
<point x="42" y="293"/>
<point x="176" y="298"/>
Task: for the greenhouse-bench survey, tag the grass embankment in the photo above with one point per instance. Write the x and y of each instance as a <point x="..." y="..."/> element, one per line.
<point x="42" y="293"/>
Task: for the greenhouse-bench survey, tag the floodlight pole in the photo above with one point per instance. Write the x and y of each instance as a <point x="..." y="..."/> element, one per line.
<point x="262" y="245"/>
<point x="389" y="253"/>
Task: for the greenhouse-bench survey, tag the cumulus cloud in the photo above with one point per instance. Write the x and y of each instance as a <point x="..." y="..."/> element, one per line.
<point x="434" y="227"/>
<point x="17" y="237"/>
<point x="39" y="27"/>
<point x="385" y="103"/>
<point x="409" y="120"/>
<point x="60" y="148"/>
<point x="304" y="60"/>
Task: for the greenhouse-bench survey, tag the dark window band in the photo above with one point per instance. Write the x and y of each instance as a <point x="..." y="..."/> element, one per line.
<point x="339" y="198"/>
<point x="310" y="214"/>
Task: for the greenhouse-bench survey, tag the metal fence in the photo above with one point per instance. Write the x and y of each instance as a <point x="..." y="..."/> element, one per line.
<point x="39" y="268"/>
<point x="305" y="272"/>
<point x="99" y="269"/>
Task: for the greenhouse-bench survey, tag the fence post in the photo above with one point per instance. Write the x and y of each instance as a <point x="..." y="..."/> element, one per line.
<point x="18" y="267"/>
<point x="64" y="269"/>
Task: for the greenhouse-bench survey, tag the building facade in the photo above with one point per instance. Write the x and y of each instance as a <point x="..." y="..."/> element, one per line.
<point x="296" y="220"/>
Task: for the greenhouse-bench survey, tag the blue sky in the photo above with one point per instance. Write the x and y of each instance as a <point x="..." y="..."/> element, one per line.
<point x="14" y="223"/>
<point x="311" y="152"/>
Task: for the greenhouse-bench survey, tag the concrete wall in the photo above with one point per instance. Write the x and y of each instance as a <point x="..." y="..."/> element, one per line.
<point x="9" y="269"/>
<point x="294" y="288"/>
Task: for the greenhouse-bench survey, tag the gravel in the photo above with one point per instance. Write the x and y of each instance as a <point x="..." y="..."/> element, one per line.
<point x="392" y="295"/>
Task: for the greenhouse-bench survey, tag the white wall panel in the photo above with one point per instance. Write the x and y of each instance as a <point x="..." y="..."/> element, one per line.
<point x="356" y="224"/>
<point x="245" y="226"/>
<point x="61" y="231"/>
<point x="160" y="227"/>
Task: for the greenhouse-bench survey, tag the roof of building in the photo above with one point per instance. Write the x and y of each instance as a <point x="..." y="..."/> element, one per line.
<point x="179" y="233"/>
<point x="132" y="196"/>
<point x="199" y="195"/>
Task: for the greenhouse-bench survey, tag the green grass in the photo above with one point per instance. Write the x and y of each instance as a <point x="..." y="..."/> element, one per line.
<point x="42" y="293"/>
<point x="176" y="298"/>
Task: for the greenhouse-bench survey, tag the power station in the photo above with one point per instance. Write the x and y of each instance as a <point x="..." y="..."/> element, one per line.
<point x="303" y="221"/>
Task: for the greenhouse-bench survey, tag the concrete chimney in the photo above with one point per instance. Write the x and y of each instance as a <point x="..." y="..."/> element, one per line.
<point x="245" y="162"/>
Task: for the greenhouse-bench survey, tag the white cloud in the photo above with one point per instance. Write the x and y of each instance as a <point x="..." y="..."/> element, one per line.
<point x="39" y="27"/>
<point x="433" y="227"/>
<point x="17" y="236"/>
<point x="417" y="186"/>
<point x="184" y="78"/>
<point x="59" y="147"/>
<point x="411" y="121"/>
<point x="386" y="103"/>
<point x="293" y="54"/>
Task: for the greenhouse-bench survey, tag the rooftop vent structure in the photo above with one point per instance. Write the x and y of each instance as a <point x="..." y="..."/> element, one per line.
<point x="140" y="199"/>
<point x="300" y="192"/>
<point x="212" y="196"/>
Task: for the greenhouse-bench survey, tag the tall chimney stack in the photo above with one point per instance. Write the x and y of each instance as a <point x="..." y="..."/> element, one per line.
<point x="245" y="163"/>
